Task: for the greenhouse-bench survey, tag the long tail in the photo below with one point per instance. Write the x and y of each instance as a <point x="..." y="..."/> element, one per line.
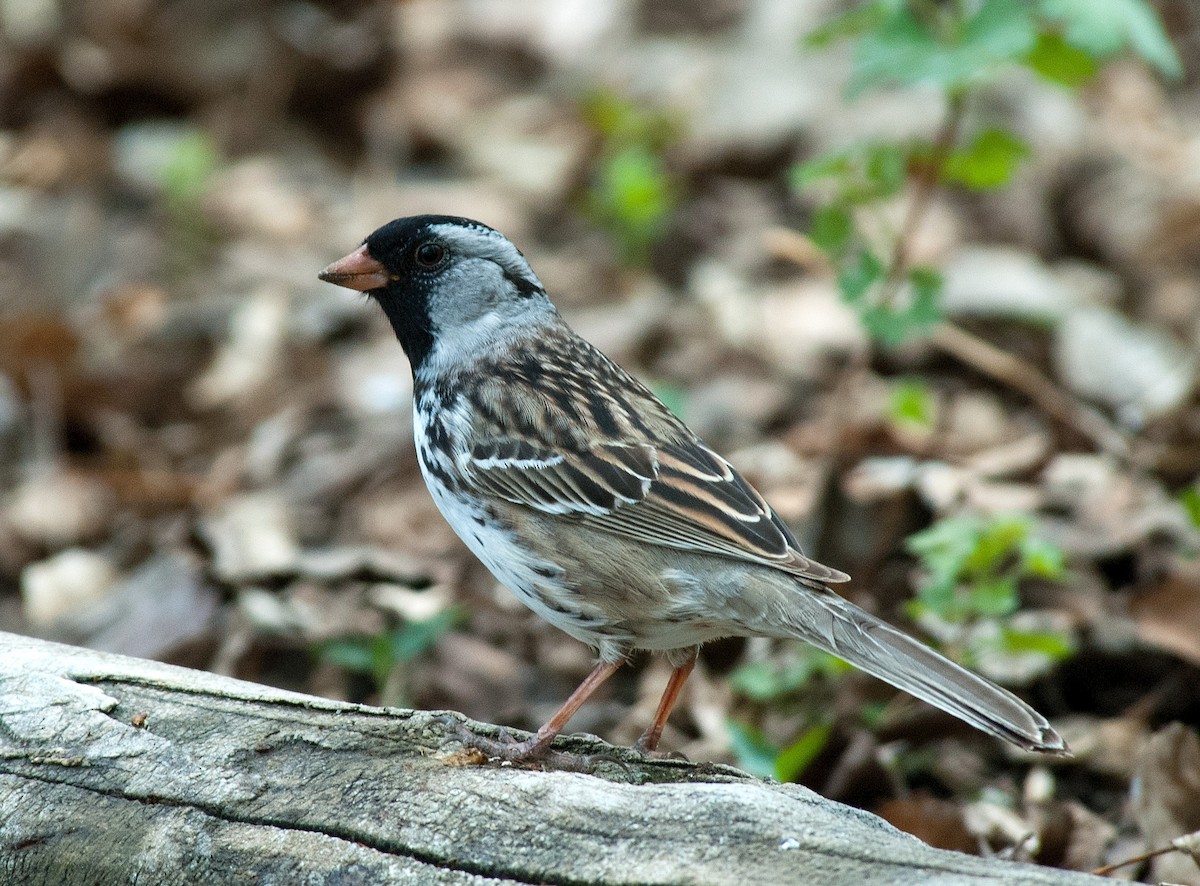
<point x="837" y="626"/>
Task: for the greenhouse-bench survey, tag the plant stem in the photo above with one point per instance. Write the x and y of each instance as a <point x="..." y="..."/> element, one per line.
<point x="926" y="185"/>
<point x="1133" y="859"/>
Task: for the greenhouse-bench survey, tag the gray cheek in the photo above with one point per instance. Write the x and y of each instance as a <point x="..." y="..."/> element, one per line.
<point x="466" y="291"/>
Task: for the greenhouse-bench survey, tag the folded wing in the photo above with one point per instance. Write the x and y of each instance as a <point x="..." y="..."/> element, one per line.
<point x="677" y="494"/>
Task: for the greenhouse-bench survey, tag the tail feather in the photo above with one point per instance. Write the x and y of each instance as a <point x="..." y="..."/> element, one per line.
<point x="839" y="627"/>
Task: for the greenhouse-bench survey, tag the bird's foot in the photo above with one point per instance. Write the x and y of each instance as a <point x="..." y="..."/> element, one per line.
<point x="651" y="752"/>
<point x="535" y="751"/>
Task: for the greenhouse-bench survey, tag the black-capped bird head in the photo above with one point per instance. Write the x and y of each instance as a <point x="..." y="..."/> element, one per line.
<point x="447" y="284"/>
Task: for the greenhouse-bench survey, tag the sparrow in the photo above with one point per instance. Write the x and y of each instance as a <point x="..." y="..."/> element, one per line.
<point x="598" y="507"/>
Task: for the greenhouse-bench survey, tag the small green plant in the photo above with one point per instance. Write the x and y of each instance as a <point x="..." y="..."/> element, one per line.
<point x="673" y="396"/>
<point x="972" y="568"/>
<point x="768" y="681"/>
<point x="912" y="405"/>
<point x="777" y="684"/>
<point x="631" y="194"/>
<point x="383" y="657"/>
<point x="1189" y="500"/>
<point x="760" y="757"/>
<point x="188" y="172"/>
<point x="186" y="177"/>
<point x="958" y="47"/>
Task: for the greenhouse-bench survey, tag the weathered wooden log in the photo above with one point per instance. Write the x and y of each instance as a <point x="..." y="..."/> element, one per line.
<point x="118" y="770"/>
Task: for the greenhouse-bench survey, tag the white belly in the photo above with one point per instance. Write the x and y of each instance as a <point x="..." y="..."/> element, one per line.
<point x="536" y="583"/>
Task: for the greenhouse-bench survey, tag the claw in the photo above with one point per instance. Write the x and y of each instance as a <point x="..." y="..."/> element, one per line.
<point x="532" y="751"/>
<point x="590" y="761"/>
<point x="659" y="755"/>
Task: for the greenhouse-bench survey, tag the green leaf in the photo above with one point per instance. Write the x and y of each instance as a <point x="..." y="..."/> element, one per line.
<point x="751" y="750"/>
<point x="997" y="542"/>
<point x="1059" y="62"/>
<point x="943" y="550"/>
<point x="911" y="403"/>
<point x="873" y="714"/>
<point x="886" y="168"/>
<point x="945" y="546"/>
<point x="988" y="162"/>
<point x="672" y="396"/>
<point x="1189" y="498"/>
<point x="905" y="50"/>
<point x="412" y="638"/>
<point x="1109" y="27"/>
<point x="975" y="567"/>
<point x="1053" y="645"/>
<point x="758" y="680"/>
<point x="795" y="758"/>
<point x="865" y="172"/>
<point x="764" y="681"/>
<point x="377" y="655"/>
<point x="623" y="122"/>
<point x="850" y="23"/>
<point x="993" y="596"/>
<point x="1042" y="559"/>
<point x="831" y="228"/>
<point x="353" y="654"/>
<point x="635" y="182"/>
<point x="916" y="308"/>
<point x="925" y="309"/>
<point x="189" y="168"/>
<point x="633" y="197"/>
<point x="606" y="112"/>
<point x="857" y="275"/>
<point x="825" y="166"/>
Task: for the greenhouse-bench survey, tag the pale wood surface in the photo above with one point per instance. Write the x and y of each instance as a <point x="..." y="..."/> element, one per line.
<point x="232" y="782"/>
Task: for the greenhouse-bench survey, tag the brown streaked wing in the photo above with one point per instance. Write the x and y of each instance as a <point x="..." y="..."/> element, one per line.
<point x="680" y="495"/>
<point x="594" y="482"/>
<point x="700" y="502"/>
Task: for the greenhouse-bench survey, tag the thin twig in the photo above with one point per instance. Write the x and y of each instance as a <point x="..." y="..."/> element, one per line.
<point x="1016" y="373"/>
<point x="926" y="185"/>
<point x="974" y="351"/>
<point x="1133" y="859"/>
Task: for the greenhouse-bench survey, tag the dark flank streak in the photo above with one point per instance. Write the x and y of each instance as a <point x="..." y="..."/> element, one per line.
<point x="435" y="433"/>
<point x="531" y="370"/>
<point x="435" y="470"/>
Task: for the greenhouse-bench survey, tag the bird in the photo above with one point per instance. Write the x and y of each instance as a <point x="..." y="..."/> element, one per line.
<point x="597" y="506"/>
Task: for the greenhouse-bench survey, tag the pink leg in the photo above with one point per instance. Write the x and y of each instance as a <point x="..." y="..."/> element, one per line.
<point x="538" y="744"/>
<point x="650" y="738"/>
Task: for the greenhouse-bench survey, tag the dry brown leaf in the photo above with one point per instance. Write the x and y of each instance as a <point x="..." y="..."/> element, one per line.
<point x="936" y="822"/>
<point x="1166" y="798"/>
<point x="1073" y="837"/>
<point x="1166" y="614"/>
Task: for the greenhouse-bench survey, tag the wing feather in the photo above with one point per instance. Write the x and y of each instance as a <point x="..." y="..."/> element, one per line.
<point x="680" y="495"/>
<point x="563" y="430"/>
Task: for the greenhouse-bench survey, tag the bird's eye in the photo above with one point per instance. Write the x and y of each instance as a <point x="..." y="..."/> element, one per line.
<point x="430" y="255"/>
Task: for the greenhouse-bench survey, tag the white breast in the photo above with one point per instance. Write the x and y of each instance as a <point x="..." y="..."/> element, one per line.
<point x="498" y="548"/>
